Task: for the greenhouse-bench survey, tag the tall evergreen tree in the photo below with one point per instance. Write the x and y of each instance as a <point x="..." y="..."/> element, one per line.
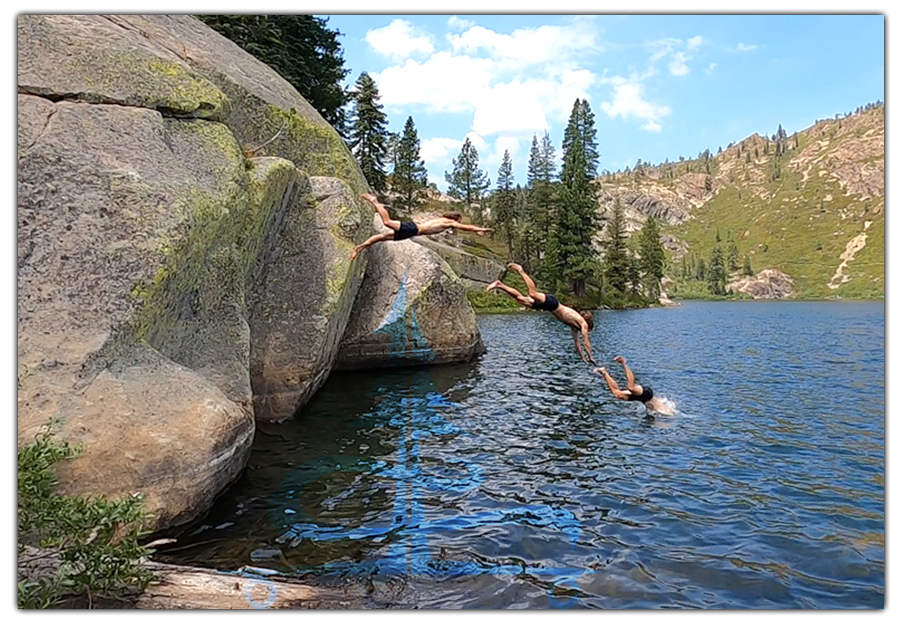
<point x="715" y="275"/>
<point x="748" y="271"/>
<point x="368" y="133"/>
<point x="653" y="258"/>
<point x="616" y="259"/>
<point x="300" y="48"/>
<point x="542" y="200"/>
<point x="733" y="254"/>
<point x="467" y="181"/>
<point x="410" y="175"/>
<point x="576" y="219"/>
<point x="504" y="201"/>
<point x="524" y="238"/>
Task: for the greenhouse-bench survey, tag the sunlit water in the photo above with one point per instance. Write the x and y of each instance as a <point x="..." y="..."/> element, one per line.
<point x="518" y="481"/>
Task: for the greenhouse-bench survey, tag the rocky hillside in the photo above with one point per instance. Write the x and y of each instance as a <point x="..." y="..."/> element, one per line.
<point x="809" y="205"/>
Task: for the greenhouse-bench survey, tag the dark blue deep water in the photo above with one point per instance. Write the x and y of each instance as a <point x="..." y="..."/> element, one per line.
<point x="518" y="481"/>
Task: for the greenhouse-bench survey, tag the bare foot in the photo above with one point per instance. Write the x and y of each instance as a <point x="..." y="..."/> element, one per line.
<point x="492" y="286"/>
<point x="619" y="359"/>
<point x="600" y="369"/>
<point x="514" y="266"/>
<point x="354" y="254"/>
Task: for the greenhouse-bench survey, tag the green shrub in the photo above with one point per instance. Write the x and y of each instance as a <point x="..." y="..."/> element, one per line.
<point x="492" y="302"/>
<point x="92" y="541"/>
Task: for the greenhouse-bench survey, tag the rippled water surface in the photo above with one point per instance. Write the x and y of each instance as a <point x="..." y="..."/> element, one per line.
<point x="518" y="481"/>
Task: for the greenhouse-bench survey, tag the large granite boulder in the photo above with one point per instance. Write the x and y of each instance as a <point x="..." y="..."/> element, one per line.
<point x="301" y="304"/>
<point x="474" y="272"/>
<point x="149" y="239"/>
<point x="410" y="310"/>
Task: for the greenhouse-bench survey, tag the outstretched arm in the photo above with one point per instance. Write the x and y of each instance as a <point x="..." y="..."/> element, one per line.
<point x="587" y="342"/>
<point x="578" y="345"/>
<point x="629" y="376"/>
<point x="611" y="383"/>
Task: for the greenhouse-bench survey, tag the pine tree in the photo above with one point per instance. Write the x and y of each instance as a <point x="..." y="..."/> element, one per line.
<point x="368" y="133"/>
<point x="616" y="256"/>
<point x="733" y="254"/>
<point x="576" y="220"/>
<point x="652" y="258"/>
<point x="715" y="276"/>
<point x="701" y="270"/>
<point x="466" y="180"/>
<point x="504" y="201"/>
<point x="748" y="271"/>
<point x="524" y="238"/>
<point x="409" y="178"/>
<point x="634" y="273"/>
<point x="542" y="199"/>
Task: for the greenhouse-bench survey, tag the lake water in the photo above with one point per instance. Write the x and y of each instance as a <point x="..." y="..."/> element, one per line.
<point x="518" y="481"/>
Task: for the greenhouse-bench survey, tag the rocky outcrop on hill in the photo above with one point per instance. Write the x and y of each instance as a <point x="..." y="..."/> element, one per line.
<point x="650" y="200"/>
<point x="411" y="310"/>
<point x="768" y="284"/>
<point x="173" y="286"/>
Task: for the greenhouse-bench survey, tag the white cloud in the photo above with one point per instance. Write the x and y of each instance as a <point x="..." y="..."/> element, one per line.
<point x="476" y="140"/>
<point x="545" y="44"/>
<point x="662" y="47"/>
<point x="459" y="24"/>
<point x="695" y="42"/>
<point x="399" y="40"/>
<point x="743" y="48"/>
<point x="628" y="103"/>
<point x="442" y="83"/>
<point x="711" y="67"/>
<point x="438" y="149"/>
<point x="677" y="66"/>
<point x="676" y="50"/>
<point x="509" y="107"/>
<point x="507" y="143"/>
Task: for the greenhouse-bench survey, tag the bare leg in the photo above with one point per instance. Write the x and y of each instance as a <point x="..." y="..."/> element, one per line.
<point x="635" y="388"/>
<point x="529" y="283"/>
<point x="481" y="230"/>
<point x="611" y="383"/>
<point x="374" y="239"/>
<point x="382" y="212"/>
<point x="513" y="292"/>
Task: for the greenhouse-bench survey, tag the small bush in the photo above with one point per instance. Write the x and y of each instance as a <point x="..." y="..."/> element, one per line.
<point x="91" y="543"/>
<point x="496" y="302"/>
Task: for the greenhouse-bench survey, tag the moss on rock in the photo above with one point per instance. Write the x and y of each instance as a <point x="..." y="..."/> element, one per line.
<point x="141" y="80"/>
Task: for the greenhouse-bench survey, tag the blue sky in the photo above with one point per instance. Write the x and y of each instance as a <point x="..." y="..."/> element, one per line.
<point x="660" y="86"/>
